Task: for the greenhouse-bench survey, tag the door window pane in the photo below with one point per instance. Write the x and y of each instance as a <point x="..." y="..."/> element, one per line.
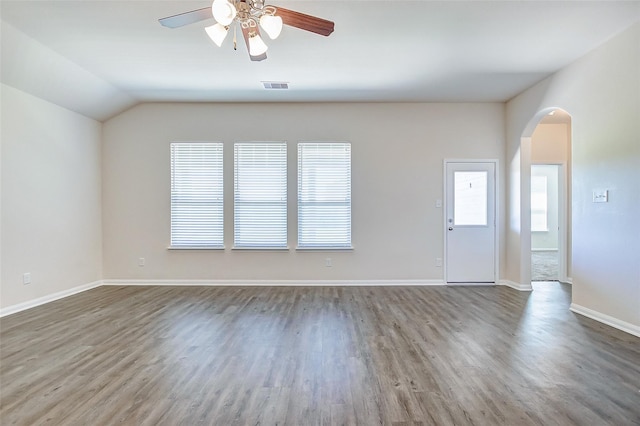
<point x="470" y="198"/>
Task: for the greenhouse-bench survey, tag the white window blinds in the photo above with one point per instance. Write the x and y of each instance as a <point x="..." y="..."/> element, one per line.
<point x="324" y="195"/>
<point x="260" y="195"/>
<point x="196" y="195"/>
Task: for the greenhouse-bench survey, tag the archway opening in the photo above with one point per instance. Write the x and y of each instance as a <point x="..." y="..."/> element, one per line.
<point x="546" y="197"/>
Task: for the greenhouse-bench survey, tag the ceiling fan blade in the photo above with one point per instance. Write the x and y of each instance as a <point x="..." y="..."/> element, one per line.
<point x="245" y="33"/>
<point x="186" y="18"/>
<point x="304" y="22"/>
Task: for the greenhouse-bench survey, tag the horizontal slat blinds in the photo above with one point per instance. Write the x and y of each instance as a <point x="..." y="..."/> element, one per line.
<point x="260" y="195"/>
<point x="324" y="195"/>
<point x="196" y="195"/>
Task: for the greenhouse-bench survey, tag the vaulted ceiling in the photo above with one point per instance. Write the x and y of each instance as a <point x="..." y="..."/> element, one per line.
<point x="99" y="57"/>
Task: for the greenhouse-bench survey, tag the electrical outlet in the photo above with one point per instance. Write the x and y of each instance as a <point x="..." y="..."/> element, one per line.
<point x="439" y="262"/>
<point x="327" y="262"/>
<point x="141" y="261"/>
<point x="26" y="278"/>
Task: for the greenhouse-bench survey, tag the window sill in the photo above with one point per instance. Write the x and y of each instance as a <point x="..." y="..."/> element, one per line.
<point x="194" y="248"/>
<point x="324" y="249"/>
<point x="284" y="249"/>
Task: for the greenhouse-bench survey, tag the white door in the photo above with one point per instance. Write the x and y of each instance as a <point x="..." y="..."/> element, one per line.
<point x="470" y="222"/>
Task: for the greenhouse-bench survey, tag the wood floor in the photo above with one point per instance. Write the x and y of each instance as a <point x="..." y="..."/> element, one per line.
<point x="544" y="266"/>
<point x="311" y="356"/>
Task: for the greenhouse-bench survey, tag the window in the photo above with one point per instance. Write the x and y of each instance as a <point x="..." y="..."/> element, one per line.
<point x="539" y="204"/>
<point x="260" y="195"/>
<point x="196" y="195"/>
<point x="470" y="198"/>
<point x="324" y="195"/>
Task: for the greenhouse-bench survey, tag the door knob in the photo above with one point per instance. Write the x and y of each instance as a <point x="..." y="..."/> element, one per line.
<point x="451" y="228"/>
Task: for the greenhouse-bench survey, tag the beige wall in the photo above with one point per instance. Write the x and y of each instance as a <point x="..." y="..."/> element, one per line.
<point x="51" y="204"/>
<point x="51" y="185"/>
<point x="397" y="176"/>
<point x="551" y="143"/>
<point x="601" y="92"/>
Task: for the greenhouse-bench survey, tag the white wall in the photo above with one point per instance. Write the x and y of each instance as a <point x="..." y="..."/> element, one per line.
<point x="601" y="91"/>
<point x="51" y="198"/>
<point x="397" y="169"/>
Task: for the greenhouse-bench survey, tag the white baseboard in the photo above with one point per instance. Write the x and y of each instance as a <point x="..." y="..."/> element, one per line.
<point x="606" y="319"/>
<point x="48" y="298"/>
<point x="471" y="284"/>
<point x="545" y="249"/>
<point x="567" y="280"/>
<point x="275" y="283"/>
<point x="515" y="285"/>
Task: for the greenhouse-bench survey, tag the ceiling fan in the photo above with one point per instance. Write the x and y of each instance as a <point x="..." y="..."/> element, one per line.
<point x="249" y="15"/>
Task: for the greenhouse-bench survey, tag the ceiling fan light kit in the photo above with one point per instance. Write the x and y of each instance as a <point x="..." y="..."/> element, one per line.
<point x="217" y="33"/>
<point x="250" y="16"/>
<point x="256" y="45"/>
<point x="272" y="25"/>
<point x="223" y="11"/>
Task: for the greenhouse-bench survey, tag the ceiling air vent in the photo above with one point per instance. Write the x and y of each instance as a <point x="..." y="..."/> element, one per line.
<point x="275" y="85"/>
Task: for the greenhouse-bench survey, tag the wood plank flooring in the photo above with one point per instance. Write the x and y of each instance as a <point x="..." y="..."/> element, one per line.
<point x="316" y="356"/>
<point x="544" y="266"/>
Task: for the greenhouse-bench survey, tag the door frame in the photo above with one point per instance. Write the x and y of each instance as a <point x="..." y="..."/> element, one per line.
<point x="497" y="215"/>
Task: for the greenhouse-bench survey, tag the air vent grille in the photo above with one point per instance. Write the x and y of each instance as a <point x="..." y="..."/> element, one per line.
<point x="275" y="85"/>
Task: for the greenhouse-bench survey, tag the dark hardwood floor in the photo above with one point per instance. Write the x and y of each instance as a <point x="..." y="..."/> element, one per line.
<point x="320" y="355"/>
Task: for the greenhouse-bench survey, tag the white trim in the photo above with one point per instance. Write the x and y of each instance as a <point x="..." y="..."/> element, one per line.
<point x="46" y="299"/>
<point x="545" y="249"/>
<point x="515" y="285"/>
<point x="275" y="283"/>
<point x="350" y="248"/>
<point x="283" y="249"/>
<point x="196" y="248"/>
<point x="563" y="216"/>
<point x="567" y="280"/>
<point x="471" y="284"/>
<point x="606" y="319"/>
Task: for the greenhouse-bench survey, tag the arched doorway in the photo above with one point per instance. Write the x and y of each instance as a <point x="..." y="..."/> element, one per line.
<point x="546" y="140"/>
<point x="550" y="209"/>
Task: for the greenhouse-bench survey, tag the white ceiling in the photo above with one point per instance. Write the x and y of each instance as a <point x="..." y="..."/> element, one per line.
<point x="381" y="51"/>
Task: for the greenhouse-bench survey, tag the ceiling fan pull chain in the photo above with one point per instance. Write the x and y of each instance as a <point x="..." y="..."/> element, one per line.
<point x="235" y="40"/>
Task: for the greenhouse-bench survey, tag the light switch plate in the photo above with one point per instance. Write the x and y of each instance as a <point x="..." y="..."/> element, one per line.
<point x="601" y="196"/>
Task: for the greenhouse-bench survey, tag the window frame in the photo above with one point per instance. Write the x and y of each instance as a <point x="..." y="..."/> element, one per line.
<point x="304" y="242"/>
<point x="211" y="169"/>
<point x="254" y="202"/>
